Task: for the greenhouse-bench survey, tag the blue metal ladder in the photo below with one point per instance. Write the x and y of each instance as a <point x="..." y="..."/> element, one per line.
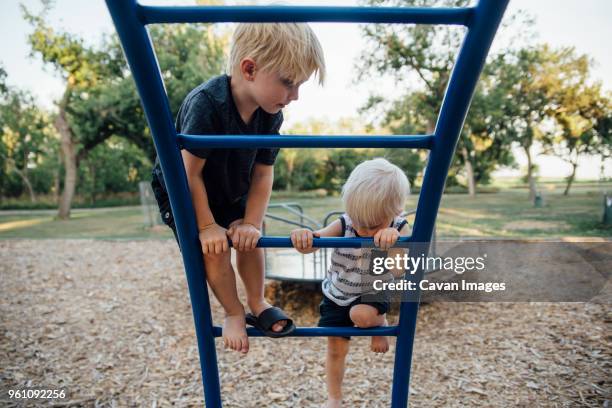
<point x="131" y="19"/>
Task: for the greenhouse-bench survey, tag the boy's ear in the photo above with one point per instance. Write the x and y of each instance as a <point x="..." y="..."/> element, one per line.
<point x="248" y="68"/>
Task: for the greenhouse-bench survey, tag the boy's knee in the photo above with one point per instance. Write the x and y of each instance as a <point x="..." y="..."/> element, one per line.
<point x="364" y="316"/>
<point x="250" y="256"/>
<point x="216" y="260"/>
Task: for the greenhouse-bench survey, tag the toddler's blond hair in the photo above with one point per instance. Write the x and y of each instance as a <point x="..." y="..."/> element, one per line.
<point x="375" y="191"/>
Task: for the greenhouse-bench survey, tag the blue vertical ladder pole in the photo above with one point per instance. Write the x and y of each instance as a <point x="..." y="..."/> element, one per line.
<point x="131" y="19"/>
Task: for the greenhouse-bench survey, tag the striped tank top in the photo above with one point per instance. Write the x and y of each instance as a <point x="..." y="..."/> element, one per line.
<point x="350" y="274"/>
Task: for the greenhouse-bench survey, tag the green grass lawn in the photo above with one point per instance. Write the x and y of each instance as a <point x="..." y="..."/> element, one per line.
<point x="505" y="214"/>
<point x="122" y="222"/>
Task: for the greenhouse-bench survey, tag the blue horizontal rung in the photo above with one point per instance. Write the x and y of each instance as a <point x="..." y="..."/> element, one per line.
<point x="270" y="14"/>
<point x="324" y="331"/>
<point x="259" y="141"/>
<point x="285" y="242"/>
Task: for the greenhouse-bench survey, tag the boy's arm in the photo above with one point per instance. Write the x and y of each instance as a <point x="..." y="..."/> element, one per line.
<point x="259" y="194"/>
<point x="212" y="236"/>
<point x="193" y="168"/>
<point x="262" y="178"/>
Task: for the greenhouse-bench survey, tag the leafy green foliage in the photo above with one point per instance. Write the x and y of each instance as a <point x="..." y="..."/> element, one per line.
<point x="116" y="165"/>
<point x="548" y="98"/>
<point x="580" y="111"/>
<point x="27" y="144"/>
<point x="100" y="101"/>
<point x="420" y="58"/>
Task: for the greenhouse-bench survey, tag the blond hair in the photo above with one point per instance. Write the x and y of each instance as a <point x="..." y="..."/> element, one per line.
<point x="375" y="191"/>
<point x="291" y="49"/>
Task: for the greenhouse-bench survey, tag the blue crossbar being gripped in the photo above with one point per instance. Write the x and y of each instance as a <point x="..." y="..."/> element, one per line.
<point x="131" y="18"/>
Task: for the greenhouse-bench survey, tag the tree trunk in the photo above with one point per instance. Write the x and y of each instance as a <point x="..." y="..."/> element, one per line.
<point x="92" y="171"/>
<point x="70" y="162"/>
<point x="571" y="178"/>
<point x="469" y="173"/>
<point x="56" y="185"/>
<point x="24" y="177"/>
<point x="530" y="178"/>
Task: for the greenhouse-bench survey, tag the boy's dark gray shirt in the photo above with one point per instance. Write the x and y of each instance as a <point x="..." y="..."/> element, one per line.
<point x="210" y="109"/>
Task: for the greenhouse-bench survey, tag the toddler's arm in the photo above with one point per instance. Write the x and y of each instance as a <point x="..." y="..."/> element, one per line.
<point x="301" y="238"/>
<point x="386" y="238"/>
<point x="393" y="252"/>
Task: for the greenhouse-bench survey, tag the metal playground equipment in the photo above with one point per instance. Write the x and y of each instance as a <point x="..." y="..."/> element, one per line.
<point x="284" y="264"/>
<point x="131" y="19"/>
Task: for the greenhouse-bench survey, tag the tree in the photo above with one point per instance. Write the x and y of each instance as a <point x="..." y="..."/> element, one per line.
<point x="550" y="101"/>
<point x="339" y="165"/>
<point x="301" y="169"/>
<point x="325" y="168"/>
<point x="3" y="85"/>
<point x="482" y="147"/>
<point x="129" y="164"/>
<point x="25" y="133"/>
<point x="523" y="105"/>
<point x="420" y="57"/>
<point x="100" y="99"/>
<point x="82" y="68"/>
<point x="580" y="110"/>
<point x="604" y="128"/>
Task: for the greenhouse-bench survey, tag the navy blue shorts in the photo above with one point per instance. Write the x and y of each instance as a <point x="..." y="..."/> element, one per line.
<point x="224" y="214"/>
<point x="333" y="315"/>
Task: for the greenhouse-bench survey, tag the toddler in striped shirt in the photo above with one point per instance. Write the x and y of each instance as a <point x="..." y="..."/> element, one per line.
<point x="374" y="197"/>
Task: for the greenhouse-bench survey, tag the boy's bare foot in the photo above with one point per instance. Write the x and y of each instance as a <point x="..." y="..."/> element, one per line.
<point x="333" y="403"/>
<point x="234" y="333"/>
<point x="260" y="307"/>
<point x="380" y="344"/>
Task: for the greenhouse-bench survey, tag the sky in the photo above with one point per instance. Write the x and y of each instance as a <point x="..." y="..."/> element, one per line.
<point x="584" y="24"/>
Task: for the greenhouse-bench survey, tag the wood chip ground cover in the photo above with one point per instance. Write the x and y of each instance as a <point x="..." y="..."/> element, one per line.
<point x="111" y="323"/>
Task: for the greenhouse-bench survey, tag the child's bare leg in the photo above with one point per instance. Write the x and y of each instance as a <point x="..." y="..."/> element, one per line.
<point x="337" y="349"/>
<point x="380" y="344"/>
<point x="365" y="316"/>
<point x="221" y="278"/>
<point x="251" y="269"/>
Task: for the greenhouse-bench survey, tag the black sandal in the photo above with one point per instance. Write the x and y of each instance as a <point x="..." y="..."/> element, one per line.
<point x="267" y="319"/>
